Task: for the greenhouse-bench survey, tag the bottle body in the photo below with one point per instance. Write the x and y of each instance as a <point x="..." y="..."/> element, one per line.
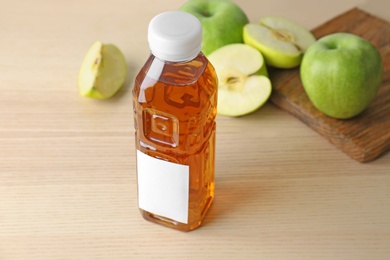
<point x="174" y="117"/>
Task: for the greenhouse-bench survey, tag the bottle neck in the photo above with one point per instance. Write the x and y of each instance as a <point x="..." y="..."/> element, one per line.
<point x="178" y="59"/>
<point x="177" y="72"/>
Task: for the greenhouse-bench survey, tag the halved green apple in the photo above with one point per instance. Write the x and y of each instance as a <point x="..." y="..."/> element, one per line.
<point x="281" y="41"/>
<point x="103" y="71"/>
<point x="243" y="83"/>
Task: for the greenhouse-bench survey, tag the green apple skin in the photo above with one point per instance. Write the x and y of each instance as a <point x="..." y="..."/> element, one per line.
<point x="341" y="74"/>
<point x="222" y="22"/>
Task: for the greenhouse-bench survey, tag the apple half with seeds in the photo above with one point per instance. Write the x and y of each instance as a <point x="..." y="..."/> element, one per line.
<point x="281" y="41"/>
<point x="103" y="71"/>
<point x="243" y="83"/>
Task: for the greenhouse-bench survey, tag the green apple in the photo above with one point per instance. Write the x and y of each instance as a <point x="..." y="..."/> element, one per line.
<point x="222" y="22"/>
<point x="243" y="86"/>
<point x="341" y="74"/>
<point x="103" y="71"/>
<point x="281" y="41"/>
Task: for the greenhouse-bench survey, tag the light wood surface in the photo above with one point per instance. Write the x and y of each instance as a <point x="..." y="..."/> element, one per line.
<point x="67" y="169"/>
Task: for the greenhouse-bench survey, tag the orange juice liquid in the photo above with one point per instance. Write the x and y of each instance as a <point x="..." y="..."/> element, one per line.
<point x="174" y="118"/>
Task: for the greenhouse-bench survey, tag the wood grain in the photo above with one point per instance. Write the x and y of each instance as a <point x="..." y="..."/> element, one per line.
<point x="366" y="136"/>
<point x="68" y="185"/>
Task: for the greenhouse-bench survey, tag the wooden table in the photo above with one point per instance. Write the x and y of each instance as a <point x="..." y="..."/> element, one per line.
<point x="67" y="168"/>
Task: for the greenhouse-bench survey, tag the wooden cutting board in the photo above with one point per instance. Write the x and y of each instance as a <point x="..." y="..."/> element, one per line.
<point x="365" y="137"/>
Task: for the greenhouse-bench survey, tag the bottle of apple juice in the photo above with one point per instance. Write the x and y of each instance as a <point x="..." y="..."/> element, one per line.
<point x="175" y="101"/>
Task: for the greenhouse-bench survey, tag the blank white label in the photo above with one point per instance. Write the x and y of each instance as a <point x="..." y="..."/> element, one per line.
<point x="163" y="187"/>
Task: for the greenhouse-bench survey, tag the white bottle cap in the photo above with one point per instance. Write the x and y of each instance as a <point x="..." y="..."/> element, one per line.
<point x="175" y="36"/>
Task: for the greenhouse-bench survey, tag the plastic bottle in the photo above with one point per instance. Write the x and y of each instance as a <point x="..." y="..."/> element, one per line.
<point x="175" y="102"/>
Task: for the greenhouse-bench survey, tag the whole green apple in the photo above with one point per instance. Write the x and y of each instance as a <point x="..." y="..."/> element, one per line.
<point x="341" y="74"/>
<point x="222" y="22"/>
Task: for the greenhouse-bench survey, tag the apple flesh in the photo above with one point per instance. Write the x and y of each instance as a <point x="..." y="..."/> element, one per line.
<point x="341" y="74"/>
<point x="243" y="86"/>
<point x="103" y="71"/>
<point x="281" y="41"/>
<point x="222" y="22"/>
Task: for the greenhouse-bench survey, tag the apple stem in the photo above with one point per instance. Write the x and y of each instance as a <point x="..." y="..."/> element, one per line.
<point x="206" y="13"/>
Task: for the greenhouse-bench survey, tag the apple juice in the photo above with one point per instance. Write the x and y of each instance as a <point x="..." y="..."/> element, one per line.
<point x="174" y="118"/>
